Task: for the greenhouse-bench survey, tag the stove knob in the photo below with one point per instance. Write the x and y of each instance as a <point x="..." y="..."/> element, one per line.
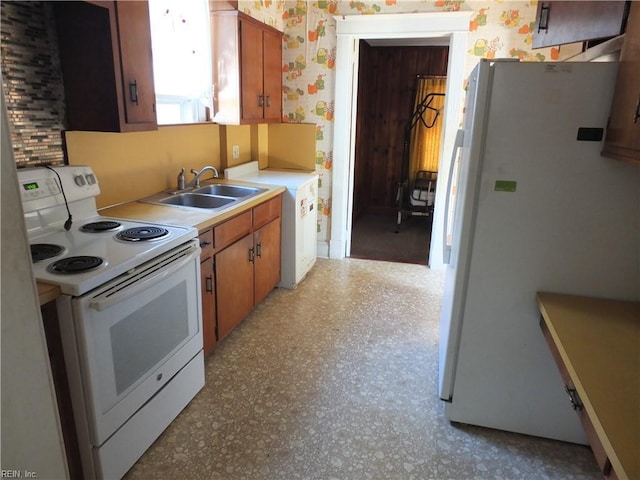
<point x="91" y="178"/>
<point x="80" y="181"/>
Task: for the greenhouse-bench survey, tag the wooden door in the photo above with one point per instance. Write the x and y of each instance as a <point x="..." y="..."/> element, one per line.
<point x="252" y="95"/>
<point x="234" y="284"/>
<point x="208" y="305"/>
<point x="134" y="30"/>
<point x="272" y="54"/>
<point x="267" y="259"/>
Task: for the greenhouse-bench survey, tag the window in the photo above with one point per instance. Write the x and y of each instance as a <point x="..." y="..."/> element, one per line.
<point x="181" y="43"/>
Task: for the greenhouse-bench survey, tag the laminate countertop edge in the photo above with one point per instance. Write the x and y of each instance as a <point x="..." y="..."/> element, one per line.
<point x="599" y="343"/>
<point x="47" y="292"/>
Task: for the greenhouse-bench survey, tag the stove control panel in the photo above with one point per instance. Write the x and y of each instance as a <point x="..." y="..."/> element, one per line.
<point x="42" y="187"/>
<point x="38" y="188"/>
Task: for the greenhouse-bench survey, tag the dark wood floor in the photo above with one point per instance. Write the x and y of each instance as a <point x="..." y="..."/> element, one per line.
<point x="374" y="237"/>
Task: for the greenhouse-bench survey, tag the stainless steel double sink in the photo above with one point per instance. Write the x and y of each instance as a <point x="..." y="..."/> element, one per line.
<point x="213" y="197"/>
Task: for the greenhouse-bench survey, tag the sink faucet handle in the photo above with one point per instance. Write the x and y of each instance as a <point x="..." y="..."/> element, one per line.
<point x="181" y="181"/>
<point x="196" y="180"/>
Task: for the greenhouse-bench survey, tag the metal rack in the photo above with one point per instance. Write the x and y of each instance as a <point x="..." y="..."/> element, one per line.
<point x="416" y="198"/>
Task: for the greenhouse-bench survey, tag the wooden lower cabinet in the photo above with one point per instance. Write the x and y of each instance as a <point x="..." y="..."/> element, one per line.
<point x="267" y="259"/>
<point x="207" y="284"/>
<point x="209" y="324"/>
<point x="244" y="267"/>
<point x="234" y="285"/>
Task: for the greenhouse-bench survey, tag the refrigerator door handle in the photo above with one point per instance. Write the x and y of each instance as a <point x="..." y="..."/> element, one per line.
<point x="446" y="248"/>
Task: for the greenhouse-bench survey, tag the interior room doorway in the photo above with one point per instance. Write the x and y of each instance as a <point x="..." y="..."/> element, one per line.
<point x="387" y="223"/>
<point x="417" y="29"/>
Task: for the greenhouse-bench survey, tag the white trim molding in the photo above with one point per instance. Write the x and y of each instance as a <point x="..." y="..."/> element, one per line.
<point x="441" y="28"/>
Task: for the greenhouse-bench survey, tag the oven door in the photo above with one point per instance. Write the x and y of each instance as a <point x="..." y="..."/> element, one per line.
<point x="134" y="334"/>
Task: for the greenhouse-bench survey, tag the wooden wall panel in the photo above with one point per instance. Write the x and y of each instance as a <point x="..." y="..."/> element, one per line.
<point x="386" y="92"/>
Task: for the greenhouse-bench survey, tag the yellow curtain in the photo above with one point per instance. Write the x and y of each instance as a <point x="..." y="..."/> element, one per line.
<point x="424" y="150"/>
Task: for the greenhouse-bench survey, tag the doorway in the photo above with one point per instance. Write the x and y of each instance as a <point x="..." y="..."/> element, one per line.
<point x="387" y="86"/>
<point x="417" y="29"/>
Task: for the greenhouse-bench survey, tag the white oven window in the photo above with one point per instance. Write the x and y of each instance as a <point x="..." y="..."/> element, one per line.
<point x="141" y="340"/>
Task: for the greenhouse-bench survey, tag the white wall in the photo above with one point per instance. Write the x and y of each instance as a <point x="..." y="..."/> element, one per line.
<point x="31" y="435"/>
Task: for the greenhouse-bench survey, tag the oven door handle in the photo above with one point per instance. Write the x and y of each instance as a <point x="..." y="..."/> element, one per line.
<point x="102" y="302"/>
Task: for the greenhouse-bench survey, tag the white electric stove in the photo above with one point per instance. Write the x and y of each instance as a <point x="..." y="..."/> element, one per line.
<point x="130" y="314"/>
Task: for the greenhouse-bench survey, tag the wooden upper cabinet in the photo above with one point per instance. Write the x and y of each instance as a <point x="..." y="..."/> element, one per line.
<point x="107" y="67"/>
<point x="247" y="69"/>
<point x="272" y="56"/>
<point x="560" y="22"/>
<point x="623" y="132"/>
<point x="136" y="60"/>
<point x="251" y="72"/>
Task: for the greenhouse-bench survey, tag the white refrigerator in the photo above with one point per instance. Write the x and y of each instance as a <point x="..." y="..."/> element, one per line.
<point x="531" y="206"/>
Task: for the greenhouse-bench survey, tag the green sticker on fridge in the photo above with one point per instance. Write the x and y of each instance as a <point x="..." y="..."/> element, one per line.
<point x="505" y="186"/>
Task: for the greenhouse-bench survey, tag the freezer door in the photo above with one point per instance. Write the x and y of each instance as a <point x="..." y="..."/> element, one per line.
<point x="459" y="217"/>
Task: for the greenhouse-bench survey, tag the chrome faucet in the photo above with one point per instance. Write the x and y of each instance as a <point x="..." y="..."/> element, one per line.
<point x="196" y="180"/>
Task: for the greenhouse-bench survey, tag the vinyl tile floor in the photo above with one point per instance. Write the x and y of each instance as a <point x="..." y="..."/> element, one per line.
<point x="337" y="380"/>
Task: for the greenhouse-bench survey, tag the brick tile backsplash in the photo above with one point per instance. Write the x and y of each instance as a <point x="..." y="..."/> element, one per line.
<point x="32" y="81"/>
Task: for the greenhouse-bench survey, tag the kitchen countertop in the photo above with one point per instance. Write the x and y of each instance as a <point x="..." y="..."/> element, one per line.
<point x="599" y="343"/>
<point x="174" y="215"/>
<point x="47" y="292"/>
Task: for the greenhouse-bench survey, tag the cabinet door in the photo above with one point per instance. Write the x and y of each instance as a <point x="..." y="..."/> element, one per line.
<point x="573" y="21"/>
<point x="234" y="284"/>
<point x="623" y="132"/>
<point x="267" y="259"/>
<point x="208" y="305"/>
<point x="252" y="96"/>
<point x="272" y="54"/>
<point x="88" y="62"/>
<point x="134" y="30"/>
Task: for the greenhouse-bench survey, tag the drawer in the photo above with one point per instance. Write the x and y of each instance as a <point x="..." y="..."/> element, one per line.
<point x="267" y="211"/>
<point x="206" y="243"/>
<point x="234" y="229"/>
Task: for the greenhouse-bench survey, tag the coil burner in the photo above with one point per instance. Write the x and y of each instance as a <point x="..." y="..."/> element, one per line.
<point x="142" y="234"/>
<point x="79" y="264"/>
<point x="43" y="251"/>
<point x="102" y="226"/>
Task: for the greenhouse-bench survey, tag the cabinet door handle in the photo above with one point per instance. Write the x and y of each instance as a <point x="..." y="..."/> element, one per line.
<point x="209" y="284"/>
<point x="259" y="249"/>
<point x="543" y="21"/>
<point x="204" y="244"/>
<point x="261" y="101"/>
<point x="268" y="100"/>
<point x="133" y="92"/>
<point x="635" y="119"/>
<point x="576" y="403"/>
<point x="252" y="256"/>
